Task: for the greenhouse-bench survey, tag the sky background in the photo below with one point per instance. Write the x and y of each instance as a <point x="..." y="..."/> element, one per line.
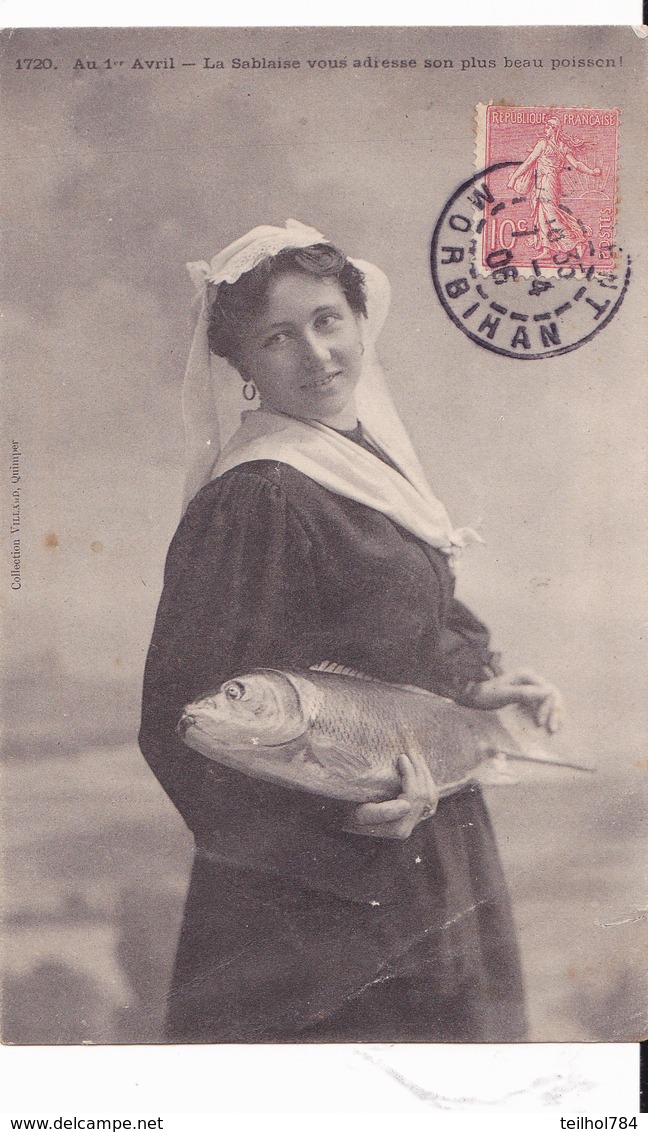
<point x="113" y="180"/>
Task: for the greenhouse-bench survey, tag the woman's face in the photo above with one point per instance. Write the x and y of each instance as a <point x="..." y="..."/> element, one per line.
<point x="304" y="350"/>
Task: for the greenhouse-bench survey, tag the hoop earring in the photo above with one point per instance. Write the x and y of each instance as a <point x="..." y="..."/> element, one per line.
<point x="249" y="390"/>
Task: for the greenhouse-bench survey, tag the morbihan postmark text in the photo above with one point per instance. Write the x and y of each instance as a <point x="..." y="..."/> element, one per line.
<point x="540" y="310"/>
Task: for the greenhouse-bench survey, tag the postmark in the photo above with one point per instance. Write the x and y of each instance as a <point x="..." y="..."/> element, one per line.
<point x="506" y="300"/>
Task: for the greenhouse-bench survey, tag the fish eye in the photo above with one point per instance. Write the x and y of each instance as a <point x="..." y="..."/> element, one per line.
<point x="234" y="690"/>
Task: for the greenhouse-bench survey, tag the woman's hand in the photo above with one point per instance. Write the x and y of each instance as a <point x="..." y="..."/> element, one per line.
<point x="397" y="818"/>
<point x="542" y="701"/>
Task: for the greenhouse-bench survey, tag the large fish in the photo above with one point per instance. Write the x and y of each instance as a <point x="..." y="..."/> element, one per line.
<point x="335" y="732"/>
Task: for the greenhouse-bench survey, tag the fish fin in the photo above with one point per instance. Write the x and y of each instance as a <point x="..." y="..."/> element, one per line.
<point x="340" y="670"/>
<point x="337" y="760"/>
<point x="328" y="667"/>
<point x="541" y="758"/>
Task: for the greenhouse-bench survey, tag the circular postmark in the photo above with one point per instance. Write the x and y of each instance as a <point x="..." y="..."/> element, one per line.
<point x="502" y="296"/>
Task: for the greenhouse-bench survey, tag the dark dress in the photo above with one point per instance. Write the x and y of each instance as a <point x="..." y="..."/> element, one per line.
<point x="293" y="929"/>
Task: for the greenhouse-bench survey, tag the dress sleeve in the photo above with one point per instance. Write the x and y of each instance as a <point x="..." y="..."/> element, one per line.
<point x="462" y="653"/>
<point x="238" y="594"/>
<point x="466" y="653"/>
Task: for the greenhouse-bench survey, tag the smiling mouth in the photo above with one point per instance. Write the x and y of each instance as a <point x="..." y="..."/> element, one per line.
<point x="322" y="382"/>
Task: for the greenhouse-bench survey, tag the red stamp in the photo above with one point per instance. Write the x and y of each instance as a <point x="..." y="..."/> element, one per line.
<point x="556" y="204"/>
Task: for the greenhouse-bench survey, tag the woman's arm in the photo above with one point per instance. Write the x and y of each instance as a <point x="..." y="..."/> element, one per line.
<point x="541" y="700"/>
<point x="581" y="166"/>
<point x="523" y="169"/>
<point x="397" y="818"/>
<point x="238" y="594"/>
<point x="461" y="657"/>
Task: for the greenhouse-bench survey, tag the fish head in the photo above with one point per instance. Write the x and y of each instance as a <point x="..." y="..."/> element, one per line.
<point x="259" y="709"/>
<point x="263" y="723"/>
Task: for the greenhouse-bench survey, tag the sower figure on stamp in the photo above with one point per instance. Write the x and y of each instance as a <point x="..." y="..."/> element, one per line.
<point x="298" y="928"/>
<point x="540" y="175"/>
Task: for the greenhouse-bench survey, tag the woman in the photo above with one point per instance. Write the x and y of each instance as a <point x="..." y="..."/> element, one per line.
<point x="540" y="174"/>
<point x="314" y="537"/>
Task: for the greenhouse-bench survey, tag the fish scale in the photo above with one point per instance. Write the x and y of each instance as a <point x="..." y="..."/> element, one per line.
<point x="380" y="721"/>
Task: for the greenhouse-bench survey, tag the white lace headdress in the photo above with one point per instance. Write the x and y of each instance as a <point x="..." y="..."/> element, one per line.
<point x="213" y="403"/>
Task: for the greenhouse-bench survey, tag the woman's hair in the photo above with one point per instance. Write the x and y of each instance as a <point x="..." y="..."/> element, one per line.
<point x="232" y="307"/>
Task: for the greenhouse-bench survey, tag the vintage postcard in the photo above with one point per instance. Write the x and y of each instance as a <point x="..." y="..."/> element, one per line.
<point x="324" y="545"/>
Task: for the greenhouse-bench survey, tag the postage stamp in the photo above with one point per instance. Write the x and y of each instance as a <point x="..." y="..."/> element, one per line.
<point x="558" y="202"/>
